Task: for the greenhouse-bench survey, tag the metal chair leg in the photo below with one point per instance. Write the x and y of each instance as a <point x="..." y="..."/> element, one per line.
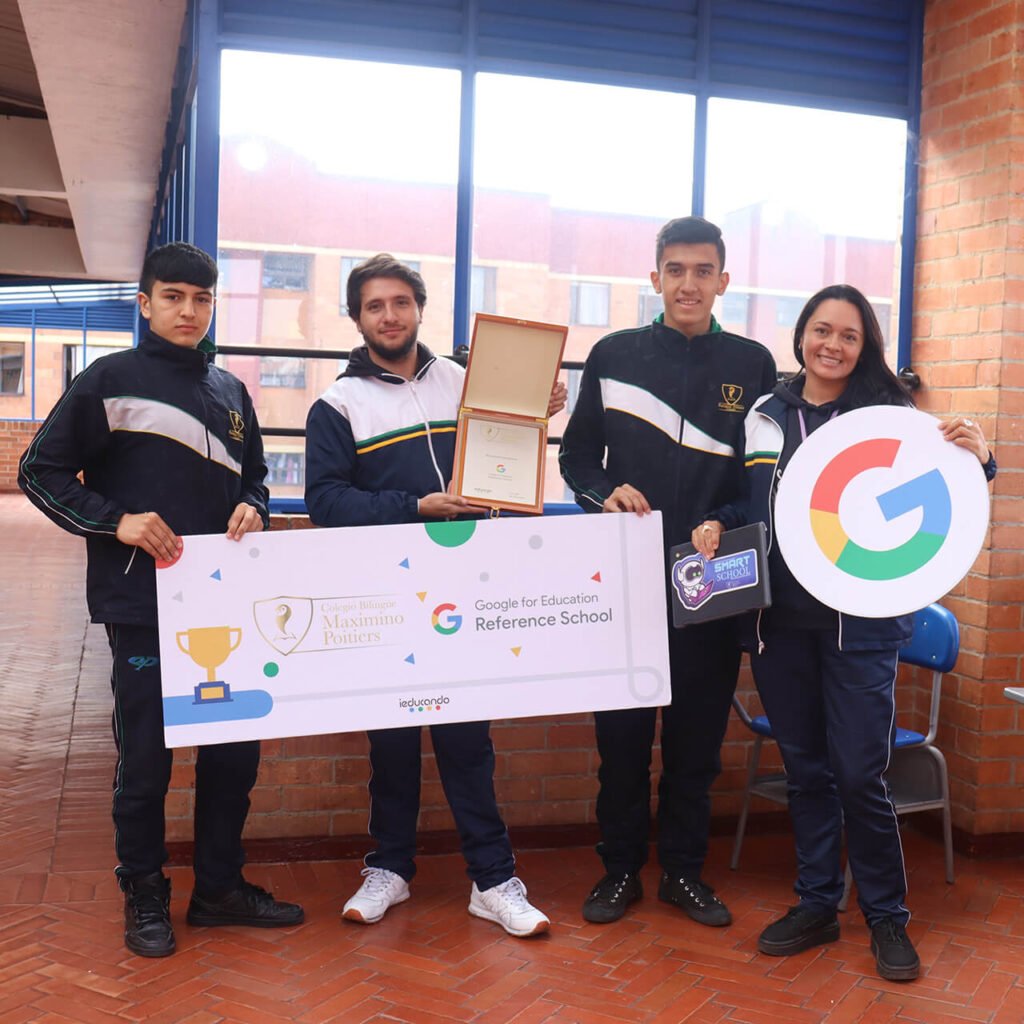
<point x="947" y="818"/>
<point x="741" y="826"/>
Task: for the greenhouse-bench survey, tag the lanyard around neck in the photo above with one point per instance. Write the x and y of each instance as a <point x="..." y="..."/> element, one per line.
<point x="803" y="422"/>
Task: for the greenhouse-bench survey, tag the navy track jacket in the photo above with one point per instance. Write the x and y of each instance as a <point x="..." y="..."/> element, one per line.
<point x="664" y="413"/>
<point x="156" y="428"/>
<point x="376" y="443"/>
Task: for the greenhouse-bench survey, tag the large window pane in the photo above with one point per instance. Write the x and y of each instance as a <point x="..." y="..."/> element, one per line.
<point x="16" y="374"/>
<point x="315" y="177"/>
<point x="571" y="183"/>
<point x="54" y="356"/>
<point x="286" y="467"/>
<point x="12" y="368"/>
<point x="482" y="288"/>
<point x="805" y="198"/>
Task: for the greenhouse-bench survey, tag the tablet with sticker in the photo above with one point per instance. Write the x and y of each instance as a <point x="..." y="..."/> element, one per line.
<point x="734" y="581"/>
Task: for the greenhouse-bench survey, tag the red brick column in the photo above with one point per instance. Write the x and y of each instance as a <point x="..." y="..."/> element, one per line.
<point x="15" y="436"/>
<point x="969" y="350"/>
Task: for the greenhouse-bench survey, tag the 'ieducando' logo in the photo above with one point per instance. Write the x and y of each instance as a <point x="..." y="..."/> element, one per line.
<point x="414" y="704"/>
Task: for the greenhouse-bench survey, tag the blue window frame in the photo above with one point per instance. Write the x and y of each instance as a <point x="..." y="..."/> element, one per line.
<point x="861" y="56"/>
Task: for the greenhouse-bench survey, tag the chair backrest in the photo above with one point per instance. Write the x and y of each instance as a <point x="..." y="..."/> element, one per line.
<point x="936" y="640"/>
<point x="935" y="644"/>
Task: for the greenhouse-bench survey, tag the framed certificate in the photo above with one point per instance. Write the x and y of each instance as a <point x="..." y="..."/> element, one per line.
<point x="502" y="432"/>
<point x="502" y="461"/>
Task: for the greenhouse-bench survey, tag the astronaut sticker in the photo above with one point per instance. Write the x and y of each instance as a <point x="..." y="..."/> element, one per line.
<point x="697" y="579"/>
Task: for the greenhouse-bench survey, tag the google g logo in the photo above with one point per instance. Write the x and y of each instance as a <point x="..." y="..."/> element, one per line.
<point x="443" y="621"/>
<point x="877" y="515"/>
<point x="927" y="492"/>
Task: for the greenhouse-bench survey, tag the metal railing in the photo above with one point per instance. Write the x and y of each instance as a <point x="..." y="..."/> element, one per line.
<point x="460" y="355"/>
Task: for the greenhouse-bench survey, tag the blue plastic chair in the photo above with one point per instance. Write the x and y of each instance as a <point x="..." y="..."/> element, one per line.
<point x="917" y="776"/>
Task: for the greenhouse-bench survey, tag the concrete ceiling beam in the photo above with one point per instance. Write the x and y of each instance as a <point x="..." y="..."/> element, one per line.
<point x="105" y="75"/>
<point x="28" y="160"/>
<point x="40" y="252"/>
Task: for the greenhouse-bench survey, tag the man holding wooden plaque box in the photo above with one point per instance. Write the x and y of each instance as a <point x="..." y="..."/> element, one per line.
<point x="380" y="448"/>
<point x="658" y="425"/>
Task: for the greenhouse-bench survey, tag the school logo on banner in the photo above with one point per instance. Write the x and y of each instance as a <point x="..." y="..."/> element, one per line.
<point x="877" y="515"/>
<point x="283" y="621"/>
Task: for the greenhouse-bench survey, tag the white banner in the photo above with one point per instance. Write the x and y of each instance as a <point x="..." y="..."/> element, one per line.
<point x="318" y="631"/>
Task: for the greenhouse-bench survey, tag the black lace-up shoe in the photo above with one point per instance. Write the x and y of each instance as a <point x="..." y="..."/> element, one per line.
<point x="147" y="915"/>
<point x="608" y="899"/>
<point x="695" y="899"/>
<point x="895" y="956"/>
<point x="800" y="929"/>
<point x="247" y="905"/>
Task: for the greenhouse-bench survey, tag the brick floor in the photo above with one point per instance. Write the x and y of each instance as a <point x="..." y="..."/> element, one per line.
<point x="428" y="962"/>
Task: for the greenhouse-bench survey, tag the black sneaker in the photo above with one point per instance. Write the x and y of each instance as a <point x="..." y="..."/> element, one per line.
<point x="801" y="928"/>
<point x="247" y="905"/>
<point x="695" y="899"/>
<point x="608" y="899"/>
<point x="895" y="956"/>
<point x="147" y="915"/>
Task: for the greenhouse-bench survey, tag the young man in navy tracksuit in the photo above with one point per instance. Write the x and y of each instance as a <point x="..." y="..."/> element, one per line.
<point x="659" y="425"/>
<point x="167" y="444"/>
<point x="380" y="446"/>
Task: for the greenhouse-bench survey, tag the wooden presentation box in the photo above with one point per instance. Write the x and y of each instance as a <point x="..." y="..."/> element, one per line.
<point x="502" y="433"/>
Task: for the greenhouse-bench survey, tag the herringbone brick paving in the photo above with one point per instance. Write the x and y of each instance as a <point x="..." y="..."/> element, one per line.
<point x="428" y="962"/>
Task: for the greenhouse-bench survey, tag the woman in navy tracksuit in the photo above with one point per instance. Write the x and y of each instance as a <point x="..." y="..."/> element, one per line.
<point x="827" y="679"/>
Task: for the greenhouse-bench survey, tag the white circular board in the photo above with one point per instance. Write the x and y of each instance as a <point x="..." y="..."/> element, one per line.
<point x="878" y="515"/>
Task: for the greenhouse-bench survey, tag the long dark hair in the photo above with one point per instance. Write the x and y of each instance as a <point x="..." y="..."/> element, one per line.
<point x="872" y="382"/>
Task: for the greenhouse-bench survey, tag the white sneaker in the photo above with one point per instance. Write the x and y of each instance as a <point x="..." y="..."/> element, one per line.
<point x="506" y="904"/>
<point x="381" y="890"/>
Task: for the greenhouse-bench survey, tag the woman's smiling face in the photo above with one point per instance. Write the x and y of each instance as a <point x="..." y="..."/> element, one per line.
<point x="832" y="341"/>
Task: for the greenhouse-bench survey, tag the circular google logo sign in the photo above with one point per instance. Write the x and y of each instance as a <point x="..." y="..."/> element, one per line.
<point x="877" y="515"/>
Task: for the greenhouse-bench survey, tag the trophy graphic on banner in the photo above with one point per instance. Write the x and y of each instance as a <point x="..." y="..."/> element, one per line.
<point x="209" y="647"/>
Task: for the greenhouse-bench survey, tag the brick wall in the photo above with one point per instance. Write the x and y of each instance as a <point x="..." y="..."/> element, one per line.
<point x="15" y="436"/>
<point x="545" y="775"/>
<point x="969" y="349"/>
<point x="315" y="786"/>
